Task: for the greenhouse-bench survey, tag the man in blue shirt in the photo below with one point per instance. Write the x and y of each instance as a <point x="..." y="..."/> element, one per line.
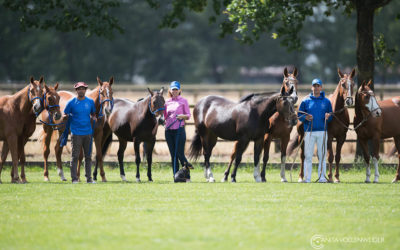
<point x="81" y="110"/>
<point x="313" y="111"/>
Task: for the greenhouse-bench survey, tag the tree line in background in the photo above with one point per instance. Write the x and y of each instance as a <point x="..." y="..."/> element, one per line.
<point x="191" y="52"/>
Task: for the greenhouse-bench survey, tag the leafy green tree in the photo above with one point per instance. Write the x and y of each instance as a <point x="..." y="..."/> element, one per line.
<point x="284" y="19"/>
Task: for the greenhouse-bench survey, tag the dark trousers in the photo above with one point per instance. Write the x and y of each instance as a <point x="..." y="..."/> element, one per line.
<point x="171" y="137"/>
<point x="77" y="142"/>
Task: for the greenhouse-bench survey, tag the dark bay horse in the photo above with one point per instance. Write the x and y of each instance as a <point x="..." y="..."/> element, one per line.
<point x="18" y="122"/>
<point x="135" y="122"/>
<point x="341" y="99"/>
<point x="374" y="121"/>
<point x="246" y="121"/>
<point x="102" y="96"/>
<point x="280" y="127"/>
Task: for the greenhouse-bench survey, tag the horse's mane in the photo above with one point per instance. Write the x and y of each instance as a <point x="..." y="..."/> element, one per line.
<point x="258" y="97"/>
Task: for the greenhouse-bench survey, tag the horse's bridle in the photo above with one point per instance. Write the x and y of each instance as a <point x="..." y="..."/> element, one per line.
<point x="291" y="81"/>
<point x="155" y="111"/>
<point x="111" y="101"/>
<point x="50" y="115"/>
<point x="348" y="83"/>
<point x="32" y="99"/>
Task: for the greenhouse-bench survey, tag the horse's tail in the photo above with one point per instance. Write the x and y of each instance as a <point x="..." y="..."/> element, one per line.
<point x="195" y="146"/>
<point x="106" y="145"/>
<point x="293" y="143"/>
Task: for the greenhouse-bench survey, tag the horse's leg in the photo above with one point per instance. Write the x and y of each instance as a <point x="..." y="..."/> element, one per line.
<point x="375" y="158"/>
<point x="208" y="142"/>
<point x="302" y="159"/>
<point x="397" y="143"/>
<point x="267" y="145"/>
<point x="339" y="144"/>
<point x="228" y="169"/>
<point x="12" y="141"/>
<point x="58" y="151"/>
<point x="149" y="156"/>
<point x="258" y="147"/>
<point x="330" y="155"/>
<point x="242" y="145"/>
<point x="22" y="159"/>
<point x="136" y="145"/>
<point x="46" y="151"/>
<point x="80" y="159"/>
<point x="4" y="153"/>
<point x="364" y="147"/>
<point x="121" y="151"/>
<point x="284" y="143"/>
<point x="99" y="154"/>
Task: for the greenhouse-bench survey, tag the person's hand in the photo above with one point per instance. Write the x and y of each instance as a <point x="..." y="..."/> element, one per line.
<point x="94" y="118"/>
<point x="309" y="117"/>
<point x="180" y="117"/>
<point x="327" y="115"/>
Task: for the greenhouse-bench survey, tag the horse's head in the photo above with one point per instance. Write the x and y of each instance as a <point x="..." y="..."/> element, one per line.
<point x="51" y="102"/>
<point x="366" y="98"/>
<point x="35" y="94"/>
<point x="157" y="102"/>
<point x="346" y="85"/>
<point x="290" y="81"/>
<point x="106" y="95"/>
<point x="285" y="106"/>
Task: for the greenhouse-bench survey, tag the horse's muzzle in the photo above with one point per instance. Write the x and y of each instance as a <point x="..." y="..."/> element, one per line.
<point x="349" y="102"/>
<point x="377" y="113"/>
<point x="57" y="116"/>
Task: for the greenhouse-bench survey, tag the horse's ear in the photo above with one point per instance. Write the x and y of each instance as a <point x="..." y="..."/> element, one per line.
<point x="99" y="81"/>
<point x="56" y="86"/>
<point x="340" y="73"/>
<point x="285" y="73"/>
<point x="369" y="83"/>
<point x="282" y="91"/>
<point x="32" y="80"/>
<point x="291" y="90"/>
<point x="295" y="72"/>
<point x="46" y="88"/>
<point x="41" y="80"/>
<point x="353" y="73"/>
<point x="111" y="80"/>
<point x="151" y="92"/>
<point x="363" y="84"/>
<point x="162" y="91"/>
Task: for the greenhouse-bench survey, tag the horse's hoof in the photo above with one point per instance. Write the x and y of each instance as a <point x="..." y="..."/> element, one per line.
<point x="137" y="179"/>
<point x="300" y="180"/>
<point x="367" y="181"/>
<point x="394" y="180"/>
<point x="23" y="181"/>
<point x="223" y="180"/>
<point x="79" y="179"/>
<point x="283" y="180"/>
<point x="233" y="181"/>
<point x="337" y="180"/>
<point x="104" y="179"/>
<point x="376" y="180"/>
<point x="257" y="179"/>
<point x="64" y="179"/>
<point x="46" y="179"/>
<point x="264" y="180"/>
<point x="211" y="179"/>
<point x="123" y="177"/>
<point x="150" y="180"/>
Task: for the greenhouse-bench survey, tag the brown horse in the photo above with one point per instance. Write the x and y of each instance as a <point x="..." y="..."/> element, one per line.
<point x="280" y="127"/>
<point x="135" y="122"/>
<point x="246" y="121"/>
<point x="18" y="122"/>
<point x="341" y="98"/>
<point x="102" y="96"/>
<point x="375" y="121"/>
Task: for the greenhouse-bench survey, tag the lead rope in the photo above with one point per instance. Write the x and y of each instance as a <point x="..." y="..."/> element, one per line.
<point x="320" y="162"/>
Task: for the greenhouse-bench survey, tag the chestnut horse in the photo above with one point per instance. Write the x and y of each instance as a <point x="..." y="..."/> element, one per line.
<point x="341" y="99"/>
<point x="374" y="121"/>
<point x="102" y="96"/>
<point x="18" y="122"/>
<point x="280" y="127"/>
<point x="135" y="122"/>
<point x="245" y="121"/>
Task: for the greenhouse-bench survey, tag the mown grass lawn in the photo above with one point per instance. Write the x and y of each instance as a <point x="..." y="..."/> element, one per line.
<point x="199" y="215"/>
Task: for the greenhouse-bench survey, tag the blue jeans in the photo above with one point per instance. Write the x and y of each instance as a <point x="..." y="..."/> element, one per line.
<point x="171" y="137"/>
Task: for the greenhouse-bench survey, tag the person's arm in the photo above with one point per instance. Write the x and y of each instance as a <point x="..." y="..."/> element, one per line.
<point x="93" y="112"/>
<point x="186" y="111"/>
<point x="67" y="110"/>
<point x="301" y="115"/>
<point x="328" y="114"/>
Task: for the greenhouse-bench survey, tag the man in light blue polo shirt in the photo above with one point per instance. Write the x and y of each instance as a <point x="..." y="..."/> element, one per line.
<point x="318" y="109"/>
<point x="81" y="110"/>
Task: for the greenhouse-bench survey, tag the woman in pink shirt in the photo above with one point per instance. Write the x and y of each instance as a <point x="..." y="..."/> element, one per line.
<point x="176" y="113"/>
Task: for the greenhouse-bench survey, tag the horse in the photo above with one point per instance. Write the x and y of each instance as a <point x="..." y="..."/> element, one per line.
<point x="102" y="96"/>
<point x="245" y="121"/>
<point x="374" y="121"/>
<point x="135" y="122"/>
<point x="18" y="122"/>
<point x="280" y="127"/>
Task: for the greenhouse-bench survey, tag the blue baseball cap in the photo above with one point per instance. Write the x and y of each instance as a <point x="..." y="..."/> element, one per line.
<point x="317" y="81"/>
<point x="175" y="85"/>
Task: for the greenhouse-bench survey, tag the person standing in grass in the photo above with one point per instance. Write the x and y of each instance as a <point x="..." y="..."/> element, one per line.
<point x="81" y="110"/>
<point x="176" y="113"/>
<point x="314" y="110"/>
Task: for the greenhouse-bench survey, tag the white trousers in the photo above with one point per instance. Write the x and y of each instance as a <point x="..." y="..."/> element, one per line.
<point x="310" y="139"/>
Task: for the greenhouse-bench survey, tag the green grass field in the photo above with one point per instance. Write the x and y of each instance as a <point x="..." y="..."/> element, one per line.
<point x="199" y="215"/>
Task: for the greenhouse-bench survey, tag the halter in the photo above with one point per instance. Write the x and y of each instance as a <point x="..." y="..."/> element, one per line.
<point x="31" y="100"/>
<point x="50" y="115"/>
<point x="102" y="102"/>
<point x="155" y="111"/>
